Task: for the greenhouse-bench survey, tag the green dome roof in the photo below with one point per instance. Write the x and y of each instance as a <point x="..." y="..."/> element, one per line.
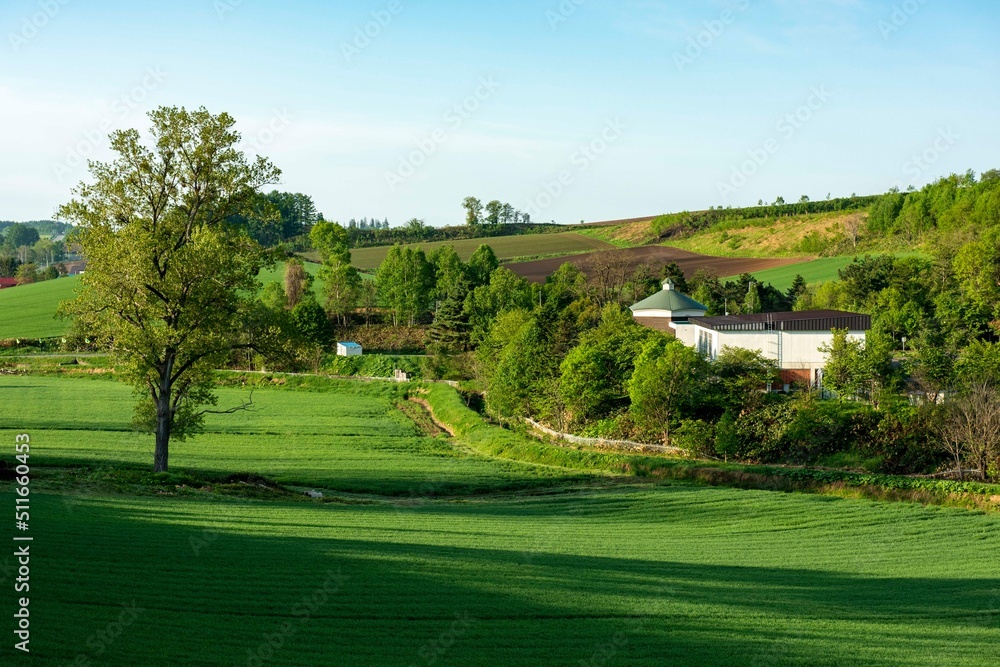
<point x="669" y="299"/>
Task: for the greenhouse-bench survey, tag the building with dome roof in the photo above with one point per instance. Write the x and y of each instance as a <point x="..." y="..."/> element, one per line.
<point x="792" y="340"/>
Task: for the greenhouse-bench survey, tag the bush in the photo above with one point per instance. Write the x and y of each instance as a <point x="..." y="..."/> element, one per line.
<point x="695" y="436"/>
<point x="371" y="365"/>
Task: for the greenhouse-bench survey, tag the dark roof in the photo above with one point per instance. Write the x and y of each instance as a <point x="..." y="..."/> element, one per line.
<point x="806" y="320"/>
<point x="669" y="299"/>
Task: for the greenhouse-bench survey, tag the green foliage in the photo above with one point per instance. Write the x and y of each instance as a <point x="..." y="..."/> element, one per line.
<point x="979" y="363"/>
<point x="18" y="235"/>
<point x="860" y="369"/>
<point x="311" y="321"/>
<point x="666" y="384"/>
<point x="505" y="291"/>
<point x="977" y="269"/>
<point x="170" y="287"/>
<point x="372" y="366"/>
<point x="482" y="265"/>
<point x="405" y="281"/>
<point x="517" y="366"/>
<point x="594" y="375"/>
<point x="450" y="329"/>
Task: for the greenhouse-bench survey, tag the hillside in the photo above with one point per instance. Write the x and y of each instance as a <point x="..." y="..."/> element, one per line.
<point x="29" y="311"/>
<point x="507" y="248"/>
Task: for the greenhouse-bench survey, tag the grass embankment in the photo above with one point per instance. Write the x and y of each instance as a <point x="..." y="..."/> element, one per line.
<point x="450" y="411"/>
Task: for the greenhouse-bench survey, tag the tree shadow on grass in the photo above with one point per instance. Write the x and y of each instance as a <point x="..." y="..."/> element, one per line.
<point x="304" y="593"/>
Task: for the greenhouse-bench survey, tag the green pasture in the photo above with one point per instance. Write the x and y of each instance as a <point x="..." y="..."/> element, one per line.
<point x="349" y="438"/>
<point x="822" y="270"/>
<point x="452" y="557"/>
<point x="814" y="271"/>
<point x="29" y="311"/>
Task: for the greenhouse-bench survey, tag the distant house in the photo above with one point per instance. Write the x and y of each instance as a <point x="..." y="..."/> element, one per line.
<point x="792" y="340"/>
<point x="349" y="350"/>
<point x="75" y="268"/>
<point x="8" y="282"/>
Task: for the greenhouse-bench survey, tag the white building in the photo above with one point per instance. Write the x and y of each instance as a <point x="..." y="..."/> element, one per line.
<point x="349" y="350"/>
<point x="792" y="340"/>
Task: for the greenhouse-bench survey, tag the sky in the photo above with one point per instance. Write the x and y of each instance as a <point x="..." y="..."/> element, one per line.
<point x="568" y="109"/>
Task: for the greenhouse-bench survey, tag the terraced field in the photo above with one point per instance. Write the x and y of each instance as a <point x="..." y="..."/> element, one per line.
<point x="566" y="570"/>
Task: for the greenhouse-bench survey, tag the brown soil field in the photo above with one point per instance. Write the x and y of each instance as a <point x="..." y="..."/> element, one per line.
<point x="656" y="257"/>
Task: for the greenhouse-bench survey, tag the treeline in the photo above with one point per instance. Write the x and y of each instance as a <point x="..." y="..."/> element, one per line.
<point x="280" y="218"/>
<point x="43" y="227"/>
<point x="677" y="224"/>
<point x="951" y="206"/>
<point x="25" y="255"/>
<point x="416" y="231"/>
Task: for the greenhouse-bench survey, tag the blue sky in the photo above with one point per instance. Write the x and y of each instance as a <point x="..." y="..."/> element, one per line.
<point x="574" y="109"/>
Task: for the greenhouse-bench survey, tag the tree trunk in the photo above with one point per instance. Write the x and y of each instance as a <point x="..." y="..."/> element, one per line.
<point x="163" y="420"/>
<point x="162" y="437"/>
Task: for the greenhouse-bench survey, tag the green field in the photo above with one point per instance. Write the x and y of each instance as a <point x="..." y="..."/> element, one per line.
<point x="446" y="556"/>
<point x="29" y="311"/>
<point x="505" y="247"/>
<point x="815" y="271"/>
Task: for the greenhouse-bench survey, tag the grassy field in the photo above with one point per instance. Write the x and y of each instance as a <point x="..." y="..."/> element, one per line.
<point x="28" y="311"/>
<point x="820" y="270"/>
<point x="418" y="572"/>
<point x="824" y="269"/>
<point x="351" y="440"/>
<point x="505" y="247"/>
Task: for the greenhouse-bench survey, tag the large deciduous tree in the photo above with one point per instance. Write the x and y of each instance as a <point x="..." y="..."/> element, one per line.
<point x="171" y="285"/>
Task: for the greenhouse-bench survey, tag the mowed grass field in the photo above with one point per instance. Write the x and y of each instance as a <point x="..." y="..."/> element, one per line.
<point x="29" y="311"/>
<point x="563" y="573"/>
<point x="505" y="247"/>
<point x="822" y="270"/>
<point x="350" y="439"/>
<point x="814" y="271"/>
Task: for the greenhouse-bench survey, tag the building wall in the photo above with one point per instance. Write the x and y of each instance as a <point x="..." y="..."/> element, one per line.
<point x="799" y="349"/>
